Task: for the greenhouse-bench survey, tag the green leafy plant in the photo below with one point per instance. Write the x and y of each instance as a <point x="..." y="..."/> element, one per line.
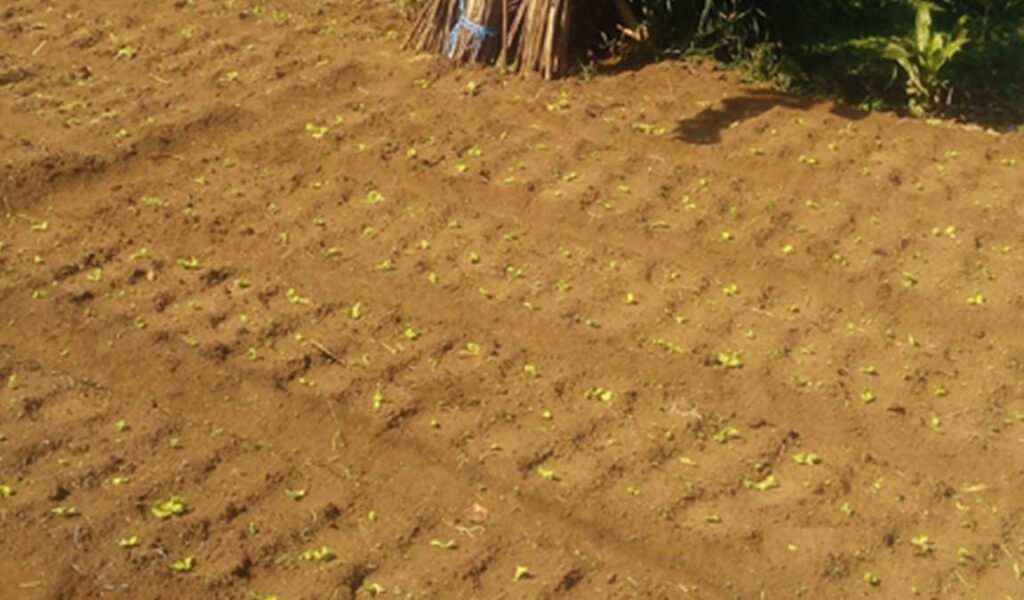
<point x="923" y="55"/>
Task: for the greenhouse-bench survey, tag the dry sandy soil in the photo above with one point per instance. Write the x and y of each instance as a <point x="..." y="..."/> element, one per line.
<point x="287" y="312"/>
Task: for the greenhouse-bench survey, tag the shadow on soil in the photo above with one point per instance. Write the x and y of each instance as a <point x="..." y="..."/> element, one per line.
<point x="707" y="126"/>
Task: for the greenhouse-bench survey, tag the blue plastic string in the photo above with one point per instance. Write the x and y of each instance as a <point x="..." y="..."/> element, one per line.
<point x="477" y="32"/>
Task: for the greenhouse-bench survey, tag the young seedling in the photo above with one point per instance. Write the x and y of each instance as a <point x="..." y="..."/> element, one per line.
<point x="923" y="545"/>
<point x="172" y="507"/>
<point x="807" y="459"/>
<point x="190" y="264"/>
<point x="725" y="434"/>
<point x="601" y="393"/>
<point x="522" y="572"/>
<point x="128" y="542"/>
<point x="730" y="359"/>
<point x="294" y="297"/>
<point x="295" y="494"/>
<point x="6" y="491"/>
<point x="317" y="132"/>
<point x="765" y="484"/>
<point x="444" y="544"/>
<point x="65" y="511"/>
<point x="322" y="554"/>
<point x="546" y="474"/>
<point x="183" y="565"/>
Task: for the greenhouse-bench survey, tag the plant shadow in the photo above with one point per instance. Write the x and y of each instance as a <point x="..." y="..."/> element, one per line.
<point x="707" y="126"/>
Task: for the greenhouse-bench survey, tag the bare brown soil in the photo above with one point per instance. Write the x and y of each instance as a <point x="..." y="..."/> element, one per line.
<point x="391" y="328"/>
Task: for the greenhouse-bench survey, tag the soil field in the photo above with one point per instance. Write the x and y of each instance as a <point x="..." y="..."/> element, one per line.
<point x="287" y="312"/>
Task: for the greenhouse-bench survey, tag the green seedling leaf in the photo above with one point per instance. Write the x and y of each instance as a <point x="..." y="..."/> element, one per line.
<point x="531" y="370"/>
<point x="295" y="494"/>
<point x="561" y="103"/>
<point x="322" y="554"/>
<point x="522" y="572"/>
<point x="356" y="311"/>
<point x="410" y="333"/>
<point x="6" y="491"/>
<point x="808" y="459"/>
<point x="378" y="398"/>
<point x="172" y="507"/>
<point x="731" y="290"/>
<point x="546" y="473"/>
<point x="444" y="545"/>
<point x="188" y="263"/>
<point x="65" y="511"/>
<point x="867" y="397"/>
<point x="629" y="299"/>
<point x="687" y="461"/>
<point x="128" y="542"/>
<point x="294" y="297"/>
<point x="315" y="131"/>
<point x="725" y="434"/>
<point x="713" y="518"/>
<point x="765" y="484"/>
<point x="872" y="579"/>
<point x="923" y="545"/>
<point x="183" y="565"/>
<point x="601" y="393"/>
<point x="374" y="589"/>
<point x="731" y="359"/>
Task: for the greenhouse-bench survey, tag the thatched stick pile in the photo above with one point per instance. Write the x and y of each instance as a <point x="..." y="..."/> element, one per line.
<point x="530" y="35"/>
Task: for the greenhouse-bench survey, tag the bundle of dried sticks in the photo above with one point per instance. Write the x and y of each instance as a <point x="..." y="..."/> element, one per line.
<point x="529" y="35"/>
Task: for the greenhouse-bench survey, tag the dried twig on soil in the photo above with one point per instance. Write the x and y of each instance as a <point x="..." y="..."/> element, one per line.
<point x="326" y="352"/>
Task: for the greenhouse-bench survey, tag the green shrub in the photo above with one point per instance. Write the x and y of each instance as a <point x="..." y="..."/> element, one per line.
<point x="923" y="55"/>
